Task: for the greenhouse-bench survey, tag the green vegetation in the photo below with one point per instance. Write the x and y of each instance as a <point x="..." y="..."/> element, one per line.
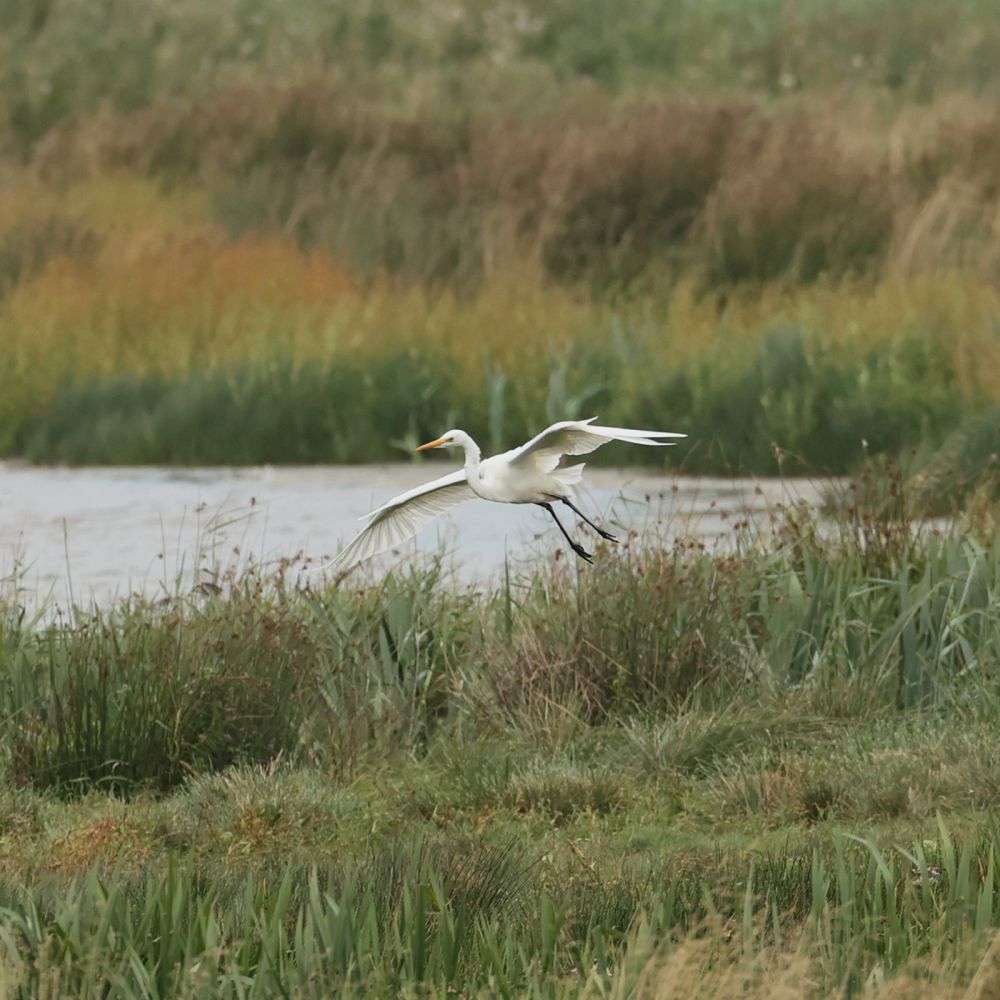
<point x="65" y="58"/>
<point x="561" y="786"/>
<point x="424" y="922"/>
<point x="790" y="404"/>
<point x="252" y="234"/>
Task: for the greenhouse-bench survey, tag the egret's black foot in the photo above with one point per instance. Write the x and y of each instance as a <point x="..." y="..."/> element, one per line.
<point x="583" y="553"/>
<point x="586" y="520"/>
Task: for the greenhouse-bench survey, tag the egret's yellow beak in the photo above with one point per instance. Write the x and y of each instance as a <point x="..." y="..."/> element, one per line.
<point x="436" y="443"/>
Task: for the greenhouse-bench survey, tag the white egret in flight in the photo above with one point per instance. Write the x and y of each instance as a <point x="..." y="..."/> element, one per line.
<point x="534" y="473"/>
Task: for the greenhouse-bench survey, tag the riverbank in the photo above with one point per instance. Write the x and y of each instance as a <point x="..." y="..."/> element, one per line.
<point x="574" y="767"/>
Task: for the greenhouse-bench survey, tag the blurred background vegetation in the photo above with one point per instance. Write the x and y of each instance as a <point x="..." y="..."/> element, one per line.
<point x="260" y="232"/>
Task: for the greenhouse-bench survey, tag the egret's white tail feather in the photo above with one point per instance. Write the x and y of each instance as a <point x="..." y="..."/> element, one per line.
<point x="631" y="436"/>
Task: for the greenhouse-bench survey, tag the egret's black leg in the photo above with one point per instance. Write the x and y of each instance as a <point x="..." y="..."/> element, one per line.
<point x="604" y="534"/>
<point x="575" y="546"/>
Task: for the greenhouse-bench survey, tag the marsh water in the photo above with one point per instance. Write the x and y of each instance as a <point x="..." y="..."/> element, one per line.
<point x="98" y="534"/>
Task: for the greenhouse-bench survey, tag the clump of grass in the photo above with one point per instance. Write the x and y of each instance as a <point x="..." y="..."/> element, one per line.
<point x="638" y="187"/>
<point x="256" y="810"/>
<point x="144" y="697"/>
<point x="877" y="774"/>
<point x="964" y="470"/>
<point x="702" y="743"/>
<point x="796" y="202"/>
<point x="562" y="792"/>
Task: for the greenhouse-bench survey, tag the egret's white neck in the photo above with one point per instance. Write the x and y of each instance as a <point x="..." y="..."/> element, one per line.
<point x="472" y="453"/>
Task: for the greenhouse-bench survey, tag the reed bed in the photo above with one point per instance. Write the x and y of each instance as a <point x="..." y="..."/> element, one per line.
<point x="157" y="338"/>
<point x="771" y="226"/>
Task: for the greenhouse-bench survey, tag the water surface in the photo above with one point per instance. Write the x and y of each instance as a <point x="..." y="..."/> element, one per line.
<point x="96" y="534"/>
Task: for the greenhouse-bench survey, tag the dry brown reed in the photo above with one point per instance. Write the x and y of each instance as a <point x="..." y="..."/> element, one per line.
<point x="796" y="190"/>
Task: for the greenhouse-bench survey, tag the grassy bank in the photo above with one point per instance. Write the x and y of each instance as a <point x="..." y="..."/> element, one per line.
<point x="572" y="785"/>
<point x="789" y="403"/>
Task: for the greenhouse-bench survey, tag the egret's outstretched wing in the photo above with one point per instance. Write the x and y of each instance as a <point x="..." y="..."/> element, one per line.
<point x="402" y="517"/>
<point x="578" y="437"/>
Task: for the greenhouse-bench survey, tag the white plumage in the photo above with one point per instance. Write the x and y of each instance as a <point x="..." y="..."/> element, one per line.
<point x="533" y="473"/>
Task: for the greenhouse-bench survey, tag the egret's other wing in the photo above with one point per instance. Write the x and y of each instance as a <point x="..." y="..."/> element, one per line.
<point x="578" y="437"/>
<point x="402" y="517"/>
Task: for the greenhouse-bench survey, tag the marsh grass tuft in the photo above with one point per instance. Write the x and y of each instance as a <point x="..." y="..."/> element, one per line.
<point x="144" y="697"/>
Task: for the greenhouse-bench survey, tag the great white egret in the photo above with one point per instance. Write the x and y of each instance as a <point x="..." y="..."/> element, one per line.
<point x="533" y="473"/>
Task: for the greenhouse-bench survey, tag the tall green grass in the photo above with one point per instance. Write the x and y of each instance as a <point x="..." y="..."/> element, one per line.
<point x="412" y="922"/>
<point x="789" y="404"/>
<point x="57" y="67"/>
<point x="141" y="696"/>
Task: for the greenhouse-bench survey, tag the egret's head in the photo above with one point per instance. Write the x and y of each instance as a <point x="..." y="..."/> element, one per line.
<point x="450" y="439"/>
